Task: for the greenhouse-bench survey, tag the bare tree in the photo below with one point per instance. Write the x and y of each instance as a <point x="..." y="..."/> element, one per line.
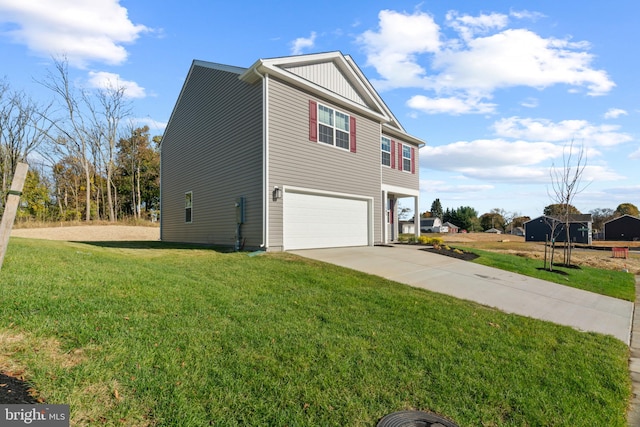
<point x="73" y="127"/>
<point x="114" y="107"/>
<point x="554" y="227"/>
<point x="566" y="183"/>
<point x="22" y="131"/>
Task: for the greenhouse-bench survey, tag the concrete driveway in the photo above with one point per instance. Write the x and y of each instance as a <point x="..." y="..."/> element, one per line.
<point x="509" y="292"/>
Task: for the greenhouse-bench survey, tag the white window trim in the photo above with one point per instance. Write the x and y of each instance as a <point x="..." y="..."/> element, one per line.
<point x="402" y="147"/>
<point x="334" y="127"/>
<point x="383" y="151"/>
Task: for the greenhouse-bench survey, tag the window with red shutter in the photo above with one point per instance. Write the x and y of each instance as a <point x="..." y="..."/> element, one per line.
<point x="352" y="134"/>
<point x="393" y="154"/>
<point x="313" y="121"/>
<point x="413" y="160"/>
<point x="332" y="127"/>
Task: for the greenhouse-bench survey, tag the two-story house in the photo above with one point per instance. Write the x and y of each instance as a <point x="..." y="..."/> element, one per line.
<point x="290" y="153"/>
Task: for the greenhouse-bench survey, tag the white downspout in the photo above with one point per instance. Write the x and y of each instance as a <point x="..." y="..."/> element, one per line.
<point x="265" y="158"/>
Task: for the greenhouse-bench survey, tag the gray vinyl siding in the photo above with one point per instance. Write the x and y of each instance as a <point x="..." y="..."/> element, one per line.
<point x="401" y="178"/>
<point x="213" y="147"/>
<point x="296" y="161"/>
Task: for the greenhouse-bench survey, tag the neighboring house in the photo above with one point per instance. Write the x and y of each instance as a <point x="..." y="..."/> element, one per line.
<point x="407" y="227"/>
<point x="517" y="231"/>
<point x="451" y="228"/>
<point x="431" y="225"/>
<point x="540" y="229"/>
<point x="625" y="227"/>
<point x="291" y="153"/>
<point x="493" y="230"/>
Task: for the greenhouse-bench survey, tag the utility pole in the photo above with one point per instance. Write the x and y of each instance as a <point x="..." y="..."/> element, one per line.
<point x="11" y="207"/>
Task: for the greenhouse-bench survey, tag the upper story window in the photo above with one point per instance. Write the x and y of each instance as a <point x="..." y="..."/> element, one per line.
<point x="386" y="151"/>
<point x="333" y="127"/>
<point x="397" y="155"/>
<point x="406" y="158"/>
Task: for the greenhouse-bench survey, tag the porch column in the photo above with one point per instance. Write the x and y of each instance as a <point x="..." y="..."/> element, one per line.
<point x="385" y="218"/>
<point x="416" y="216"/>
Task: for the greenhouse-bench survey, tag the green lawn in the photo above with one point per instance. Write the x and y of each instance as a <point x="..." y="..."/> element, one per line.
<point x="613" y="283"/>
<point x="153" y="334"/>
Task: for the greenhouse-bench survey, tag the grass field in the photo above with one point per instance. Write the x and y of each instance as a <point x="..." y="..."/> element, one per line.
<point x="617" y="284"/>
<point x="158" y="334"/>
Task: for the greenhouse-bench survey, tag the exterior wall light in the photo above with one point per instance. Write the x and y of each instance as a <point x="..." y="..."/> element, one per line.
<point x="277" y="193"/>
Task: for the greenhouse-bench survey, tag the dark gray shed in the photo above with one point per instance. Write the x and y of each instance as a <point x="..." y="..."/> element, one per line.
<point x="541" y="229"/>
<point x="625" y="227"/>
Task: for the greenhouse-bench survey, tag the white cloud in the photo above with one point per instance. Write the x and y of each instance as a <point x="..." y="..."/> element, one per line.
<point x="159" y="126"/>
<point x="411" y="51"/>
<point x="635" y="155"/>
<point x="529" y="103"/>
<point x="614" y="113"/>
<point x="525" y="14"/>
<point x="580" y="131"/>
<point x="105" y="80"/>
<point x="82" y="31"/>
<point x="490" y="155"/>
<point x="302" y="43"/>
<point x="393" y="48"/>
<point x="518" y="57"/>
<point x="468" y="26"/>
<point x="448" y="187"/>
<point x="450" y="105"/>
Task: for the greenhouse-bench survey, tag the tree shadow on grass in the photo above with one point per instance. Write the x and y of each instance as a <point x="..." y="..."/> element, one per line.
<point x="152" y="244"/>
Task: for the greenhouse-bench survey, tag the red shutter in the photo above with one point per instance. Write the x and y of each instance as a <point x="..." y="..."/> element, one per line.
<point x="352" y="134"/>
<point x="393" y="154"/>
<point x="399" y="156"/>
<point x="313" y="121"/>
<point x="413" y="160"/>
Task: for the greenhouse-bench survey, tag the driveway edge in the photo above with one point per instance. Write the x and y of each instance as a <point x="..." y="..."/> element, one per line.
<point x="633" y="415"/>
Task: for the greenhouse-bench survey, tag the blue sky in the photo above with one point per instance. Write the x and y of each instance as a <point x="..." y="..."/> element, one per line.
<point x="496" y="89"/>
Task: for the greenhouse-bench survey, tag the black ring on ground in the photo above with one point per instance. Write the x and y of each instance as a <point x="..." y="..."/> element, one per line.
<point x="414" y="419"/>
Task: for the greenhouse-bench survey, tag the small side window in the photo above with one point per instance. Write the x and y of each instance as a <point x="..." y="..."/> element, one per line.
<point x="188" y="206"/>
<point x="406" y="158"/>
<point x="386" y="151"/>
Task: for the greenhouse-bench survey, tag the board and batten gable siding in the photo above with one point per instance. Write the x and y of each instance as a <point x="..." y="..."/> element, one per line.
<point x="394" y="175"/>
<point x="327" y="75"/>
<point x="296" y="161"/>
<point x="213" y="147"/>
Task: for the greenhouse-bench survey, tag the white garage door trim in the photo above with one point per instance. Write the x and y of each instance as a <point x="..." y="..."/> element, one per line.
<point x="323" y="219"/>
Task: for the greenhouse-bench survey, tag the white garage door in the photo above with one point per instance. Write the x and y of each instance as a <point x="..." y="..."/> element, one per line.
<point x="320" y="221"/>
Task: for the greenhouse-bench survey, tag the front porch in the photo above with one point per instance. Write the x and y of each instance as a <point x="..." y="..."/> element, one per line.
<point x="391" y="224"/>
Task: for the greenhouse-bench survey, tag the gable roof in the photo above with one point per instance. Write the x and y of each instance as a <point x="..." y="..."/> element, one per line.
<point x="620" y="217"/>
<point x="573" y="218"/>
<point x="334" y="76"/>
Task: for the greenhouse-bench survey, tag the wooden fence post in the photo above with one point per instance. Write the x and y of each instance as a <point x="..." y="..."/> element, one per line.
<point x="11" y="207"/>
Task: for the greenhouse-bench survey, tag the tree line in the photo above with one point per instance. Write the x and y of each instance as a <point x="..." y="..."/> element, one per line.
<point x="88" y="159"/>
<point x="466" y="217"/>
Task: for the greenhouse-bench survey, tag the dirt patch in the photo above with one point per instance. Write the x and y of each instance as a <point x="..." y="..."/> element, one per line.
<point x="453" y="253"/>
<point x="516" y="245"/>
<point x="90" y="233"/>
<point x="14" y="390"/>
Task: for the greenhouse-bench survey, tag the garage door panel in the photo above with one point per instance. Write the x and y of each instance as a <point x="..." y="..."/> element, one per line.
<point x="319" y="221"/>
